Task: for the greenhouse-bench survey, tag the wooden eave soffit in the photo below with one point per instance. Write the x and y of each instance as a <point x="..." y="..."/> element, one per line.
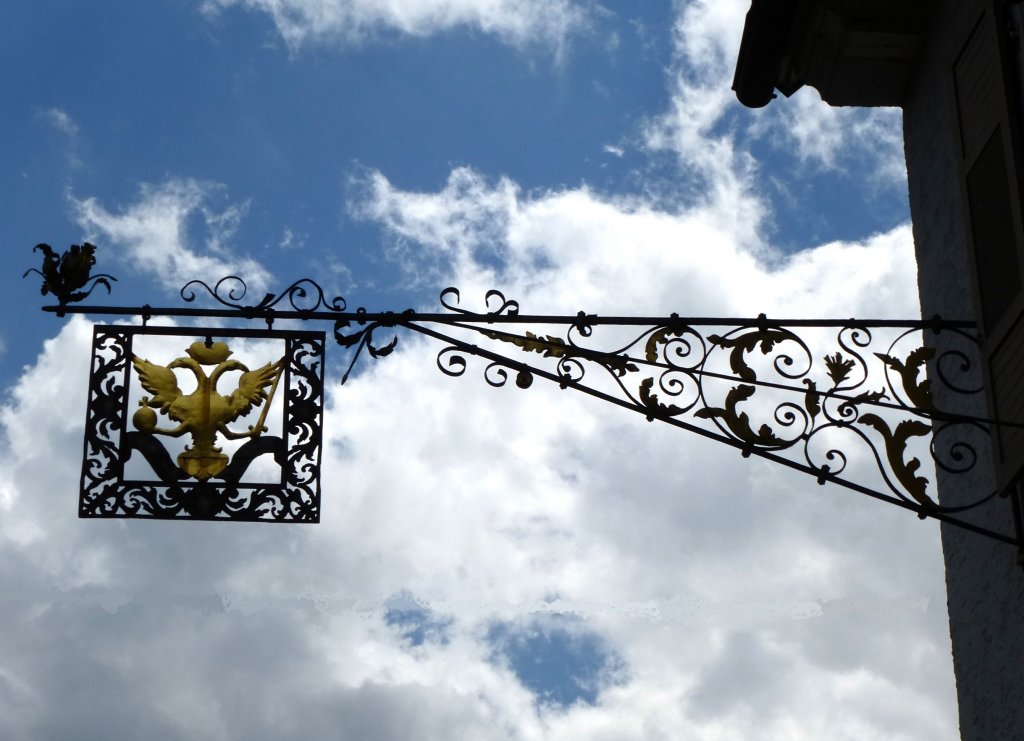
<point x="854" y="52"/>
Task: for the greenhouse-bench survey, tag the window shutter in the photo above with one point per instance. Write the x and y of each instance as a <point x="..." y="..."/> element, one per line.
<point x="987" y="109"/>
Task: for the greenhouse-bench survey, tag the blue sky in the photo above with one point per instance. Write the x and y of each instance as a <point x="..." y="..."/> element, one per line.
<point x="505" y="566"/>
<point x="111" y="99"/>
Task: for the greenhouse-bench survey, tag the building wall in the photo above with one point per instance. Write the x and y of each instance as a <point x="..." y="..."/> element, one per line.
<point x="985" y="584"/>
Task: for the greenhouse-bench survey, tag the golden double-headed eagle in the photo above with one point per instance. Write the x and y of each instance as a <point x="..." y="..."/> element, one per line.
<point x="204" y="413"/>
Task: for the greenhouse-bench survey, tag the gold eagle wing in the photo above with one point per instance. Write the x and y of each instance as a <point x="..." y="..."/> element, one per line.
<point x="250" y="389"/>
<point x="159" y="381"/>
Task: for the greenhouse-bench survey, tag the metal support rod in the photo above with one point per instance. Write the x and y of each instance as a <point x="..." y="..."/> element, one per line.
<point x="392" y="318"/>
<point x="1018" y="519"/>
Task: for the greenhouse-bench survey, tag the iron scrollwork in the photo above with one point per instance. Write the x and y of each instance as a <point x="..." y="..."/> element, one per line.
<point x="303" y="295"/>
<point x="762" y="388"/>
<point x="303" y="299"/>
<point x="68" y="276"/>
<point x="814" y="395"/>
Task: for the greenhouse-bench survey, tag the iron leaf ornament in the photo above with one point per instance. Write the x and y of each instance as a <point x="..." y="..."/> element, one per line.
<point x="67" y="276"/>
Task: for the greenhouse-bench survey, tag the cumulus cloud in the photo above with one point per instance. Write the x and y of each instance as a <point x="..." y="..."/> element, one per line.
<point x="172" y="232"/>
<point x="705" y="127"/>
<point x="602" y="252"/>
<point x="520" y="23"/>
<point x="832" y="138"/>
<point x="669" y="527"/>
<point x="676" y="529"/>
<point x="695" y="128"/>
<point x="461" y="221"/>
<point x="711" y="596"/>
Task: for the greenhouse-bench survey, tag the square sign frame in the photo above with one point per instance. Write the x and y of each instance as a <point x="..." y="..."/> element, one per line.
<point x="170" y="493"/>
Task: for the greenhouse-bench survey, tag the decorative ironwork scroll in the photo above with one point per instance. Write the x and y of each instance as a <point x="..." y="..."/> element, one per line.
<point x="850" y="402"/>
<point x="129" y="468"/>
<point x="823" y="397"/>
<point x="68" y="276"/>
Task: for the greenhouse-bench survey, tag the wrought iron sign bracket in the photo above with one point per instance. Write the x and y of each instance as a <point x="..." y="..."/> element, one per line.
<point x="847" y="401"/>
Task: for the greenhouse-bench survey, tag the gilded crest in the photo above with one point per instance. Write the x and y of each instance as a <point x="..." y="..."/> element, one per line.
<point x="204" y="413"/>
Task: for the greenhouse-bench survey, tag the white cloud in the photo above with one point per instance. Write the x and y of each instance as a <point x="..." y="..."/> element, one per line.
<point x="291" y="240"/>
<point x="652" y="517"/>
<point x="61" y="121"/>
<point x="837" y="138"/>
<point x="156" y="236"/>
<point x="467" y="217"/>
<point x="521" y="23"/>
<point x="488" y="504"/>
<point x="703" y="123"/>
<point x="706" y="36"/>
<point x="574" y="246"/>
<point x="744" y="600"/>
<point x="715" y="579"/>
<point x="739" y="563"/>
<point x="768" y="606"/>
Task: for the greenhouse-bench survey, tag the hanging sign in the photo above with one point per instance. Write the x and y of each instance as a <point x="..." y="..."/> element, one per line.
<point x="226" y="424"/>
<point x="219" y="424"/>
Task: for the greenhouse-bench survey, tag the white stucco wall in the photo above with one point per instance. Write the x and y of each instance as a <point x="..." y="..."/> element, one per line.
<point x="984" y="581"/>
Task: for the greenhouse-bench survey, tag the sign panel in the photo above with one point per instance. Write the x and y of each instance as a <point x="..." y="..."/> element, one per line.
<point x="203" y="424"/>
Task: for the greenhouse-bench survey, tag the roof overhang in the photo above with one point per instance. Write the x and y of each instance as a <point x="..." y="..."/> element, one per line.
<point x="854" y="52"/>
